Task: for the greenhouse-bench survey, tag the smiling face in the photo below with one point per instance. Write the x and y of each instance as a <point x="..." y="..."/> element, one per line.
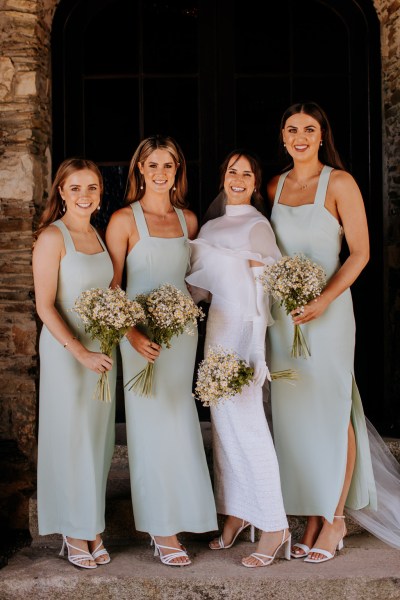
<point x="302" y="136"/>
<point x="239" y="182"/>
<point x="159" y="170"/>
<point x="81" y="192"/>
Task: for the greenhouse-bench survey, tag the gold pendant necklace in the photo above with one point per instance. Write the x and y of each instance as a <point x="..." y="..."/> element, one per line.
<point x="303" y="186"/>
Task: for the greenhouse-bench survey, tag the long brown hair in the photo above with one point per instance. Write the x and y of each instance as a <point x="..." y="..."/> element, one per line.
<point x="257" y="199"/>
<point x="327" y="153"/>
<point x="136" y="184"/>
<point x="55" y="204"/>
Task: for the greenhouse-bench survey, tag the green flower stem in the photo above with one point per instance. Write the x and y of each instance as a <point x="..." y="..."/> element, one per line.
<point x="142" y="383"/>
<point x="299" y="347"/>
<point x="102" y="391"/>
<point x="285" y="374"/>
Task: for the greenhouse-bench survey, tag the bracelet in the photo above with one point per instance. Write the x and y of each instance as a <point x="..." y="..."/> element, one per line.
<point x="66" y="343"/>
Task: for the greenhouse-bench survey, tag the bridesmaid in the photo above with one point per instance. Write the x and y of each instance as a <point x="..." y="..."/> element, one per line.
<point x="319" y="425"/>
<point x="170" y="481"/>
<point x="76" y="433"/>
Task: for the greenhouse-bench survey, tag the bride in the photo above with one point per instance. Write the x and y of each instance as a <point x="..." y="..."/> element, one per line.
<point x="228" y="255"/>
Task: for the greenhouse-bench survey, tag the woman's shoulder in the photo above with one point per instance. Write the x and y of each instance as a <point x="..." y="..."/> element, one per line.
<point x="50" y="239"/>
<point x="121" y="216"/>
<point x="342" y="181"/>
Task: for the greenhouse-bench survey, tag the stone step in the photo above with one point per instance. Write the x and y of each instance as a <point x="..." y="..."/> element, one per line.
<point x="365" y="569"/>
<point x="120" y="524"/>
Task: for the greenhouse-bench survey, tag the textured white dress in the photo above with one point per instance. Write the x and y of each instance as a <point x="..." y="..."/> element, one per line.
<point x="246" y="473"/>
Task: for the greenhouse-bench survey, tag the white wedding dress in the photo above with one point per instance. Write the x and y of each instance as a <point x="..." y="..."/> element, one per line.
<point x="246" y="472"/>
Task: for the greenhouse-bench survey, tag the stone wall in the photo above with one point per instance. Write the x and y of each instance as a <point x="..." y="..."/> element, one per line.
<point x="388" y="12"/>
<point x="25" y="165"/>
<point x="24" y="171"/>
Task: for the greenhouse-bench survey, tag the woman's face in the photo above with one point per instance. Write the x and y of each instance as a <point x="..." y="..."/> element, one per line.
<point x="239" y="181"/>
<point x="302" y="136"/>
<point x="159" y="171"/>
<point x="81" y="193"/>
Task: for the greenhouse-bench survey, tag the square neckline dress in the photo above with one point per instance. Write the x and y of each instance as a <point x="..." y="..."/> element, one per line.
<point x="311" y="418"/>
<point x="170" y="481"/>
<point x="76" y="432"/>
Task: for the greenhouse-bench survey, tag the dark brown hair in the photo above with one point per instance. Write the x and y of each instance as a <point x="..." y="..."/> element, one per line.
<point x="257" y="199"/>
<point x="327" y="153"/>
<point x="136" y="184"/>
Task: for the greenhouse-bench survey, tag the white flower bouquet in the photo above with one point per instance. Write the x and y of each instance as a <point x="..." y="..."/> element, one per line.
<point x="107" y="314"/>
<point x="169" y="312"/>
<point x="223" y="374"/>
<point x="294" y="281"/>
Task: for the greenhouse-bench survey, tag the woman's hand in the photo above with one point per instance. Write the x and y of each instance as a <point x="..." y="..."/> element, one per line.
<point x="310" y="311"/>
<point x="142" y="344"/>
<point x="95" y="361"/>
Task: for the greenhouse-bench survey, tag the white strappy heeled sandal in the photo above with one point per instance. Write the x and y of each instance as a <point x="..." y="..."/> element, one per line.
<point x="77" y="559"/>
<point x="326" y="554"/>
<point x="265" y="559"/>
<point x="304" y="547"/>
<point x="167" y="559"/>
<point x="103" y="552"/>
<point x="220" y="541"/>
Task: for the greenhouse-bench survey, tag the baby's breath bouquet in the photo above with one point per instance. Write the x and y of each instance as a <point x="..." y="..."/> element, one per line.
<point x="169" y="312"/>
<point x="294" y="281"/>
<point x="223" y="374"/>
<point x="107" y="315"/>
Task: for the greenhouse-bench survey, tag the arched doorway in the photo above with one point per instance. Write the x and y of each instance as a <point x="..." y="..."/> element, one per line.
<point x="216" y="77"/>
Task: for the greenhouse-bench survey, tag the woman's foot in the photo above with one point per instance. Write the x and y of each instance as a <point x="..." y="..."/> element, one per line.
<point x="329" y="539"/>
<point x="269" y="544"/>
<point x="78" y="550"/>
<point x="232" y="527"/>
<point x="171" y="542"/>
<point x="310" y="535"/>
<point x="99" y="553"/>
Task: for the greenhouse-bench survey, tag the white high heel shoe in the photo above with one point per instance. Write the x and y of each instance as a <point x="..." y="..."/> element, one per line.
<point x="328" y="555"/>
<point x="265" y="559"/>
<point x="220" y="541"/>
<point x="167" y="559"/>
<point x="300" y="546"/>
<point x="103" y="552"/>
<point x="77" y="559"/>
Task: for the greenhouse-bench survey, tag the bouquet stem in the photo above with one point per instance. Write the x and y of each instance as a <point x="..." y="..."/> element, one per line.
<point x="299" y="347"/>
<point x="142" y="383"/>
<point x="285" y="374"/>
<point x="102" y="391"/>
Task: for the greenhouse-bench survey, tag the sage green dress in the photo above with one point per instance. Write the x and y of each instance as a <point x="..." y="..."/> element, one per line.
<point x="311" y="418"/>
<point x="76" y="432"/>
<point x="170" y="482"/>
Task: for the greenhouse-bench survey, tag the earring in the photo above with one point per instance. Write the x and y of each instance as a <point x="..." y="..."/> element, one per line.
<point x="141" y="187"/>
<point x="98" y="208"/>
<point x="63" y="207"/>
<point x="320" y="144"/>
<point x="255" y="189"/>
<point x="174" y="189"/>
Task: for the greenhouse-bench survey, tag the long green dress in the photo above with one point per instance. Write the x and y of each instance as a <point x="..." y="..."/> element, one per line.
<point x="76" y="432"/>
<point x="170" y="482"/>
<point x="311" y="418"/>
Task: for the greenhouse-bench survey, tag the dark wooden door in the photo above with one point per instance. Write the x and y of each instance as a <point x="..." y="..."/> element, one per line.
<point x="217" y="74"/>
